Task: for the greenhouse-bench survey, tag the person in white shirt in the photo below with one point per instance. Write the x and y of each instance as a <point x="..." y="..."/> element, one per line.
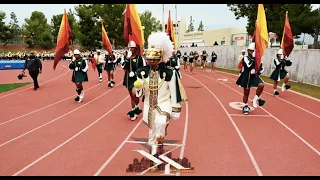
<point x="100" y="61"/>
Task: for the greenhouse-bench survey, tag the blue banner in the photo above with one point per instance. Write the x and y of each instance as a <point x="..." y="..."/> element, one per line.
<point x="12" y="64"/>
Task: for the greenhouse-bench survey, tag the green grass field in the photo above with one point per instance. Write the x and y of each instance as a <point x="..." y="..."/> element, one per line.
<point x="8" y="87"/>
<point x="313" y="91"/>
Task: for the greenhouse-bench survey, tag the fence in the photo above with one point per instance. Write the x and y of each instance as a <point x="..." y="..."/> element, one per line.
<point x="305" y="62"/>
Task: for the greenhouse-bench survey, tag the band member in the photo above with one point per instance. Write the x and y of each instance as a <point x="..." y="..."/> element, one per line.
<point x="174" y="63"/>
<point x="243" y="53"/>
<point x="196" y="56"/>
<point x="130" y="65"/>
<point x="185" y="60"/>
<point x="191" y="58"/>
<point x="79" y="75"/>
<point x="118" y="57"/>
<point x="213" y="61"/>
<point x="100" y="62"/>
<point x="110" y="68"/>
<point x="124" y="57"/>
<point x="178" y="54"/>
<point x="204" y="56"/>
<point x="248" y="79"/>
<point x="280" y="73"/>
<point x="162" y="90"/>
<point x="34" y="66"/>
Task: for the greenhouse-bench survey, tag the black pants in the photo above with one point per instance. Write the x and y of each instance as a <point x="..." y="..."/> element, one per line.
<point x="99" y="68"/>
<point x="34" y="76"/>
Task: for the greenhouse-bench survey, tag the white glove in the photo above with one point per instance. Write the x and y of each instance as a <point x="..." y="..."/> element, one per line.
<point x="262" y="70"/>
<point x="175" y="116"/>
<point x="129" y="54"/>
<point x="131" y="74"/>
<point x="76" y="69"/>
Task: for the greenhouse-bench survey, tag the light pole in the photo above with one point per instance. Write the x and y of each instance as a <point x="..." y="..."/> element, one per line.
<point x="142" y="28"/>
<point x="32" y="37"/>
<point x="18" y="36"/>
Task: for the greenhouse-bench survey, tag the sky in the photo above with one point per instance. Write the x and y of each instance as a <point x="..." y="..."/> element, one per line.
<point x="213" y="16"/>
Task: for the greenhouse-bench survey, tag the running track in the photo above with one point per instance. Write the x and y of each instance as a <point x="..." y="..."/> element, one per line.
<point x="45" y="132"/>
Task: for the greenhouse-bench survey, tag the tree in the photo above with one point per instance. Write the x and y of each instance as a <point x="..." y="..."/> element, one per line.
<point x="190" y="27"/>
<point x="56" y="22"/>
<point x="89" y="27"/>
<point x="200" y="28"/>
<point x="150" y="23"/>
<point x="7" y="32"/>
<point x="112" y="15"/>
<point x="14" y="27"/>
<point x="90" y="23"/>
<point x="38" y="31"/>
<point x="316" y="26"/>
<point x="302" y="18"/>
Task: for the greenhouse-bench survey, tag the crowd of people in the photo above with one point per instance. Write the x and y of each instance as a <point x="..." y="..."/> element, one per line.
<point x="22" y="55"/>
<point x="109" y="63"/>
<point x="154" y="77"/>
<point x="192" y="60"/>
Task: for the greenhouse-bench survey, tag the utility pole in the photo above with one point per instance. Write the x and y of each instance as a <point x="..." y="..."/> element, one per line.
<point x="163" y="24"/>
<point x="177" y="25"/>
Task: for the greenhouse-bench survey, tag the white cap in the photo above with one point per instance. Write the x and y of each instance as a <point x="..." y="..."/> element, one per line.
<point x="243" y="51"/>
<point x="280" y="51"/>
<point x="132" y="44"/>
<point x="252" y="46"/>
<point x="76" y="51"/>
<point x="98" y="50"/>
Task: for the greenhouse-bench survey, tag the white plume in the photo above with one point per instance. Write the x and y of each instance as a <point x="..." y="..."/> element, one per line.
<point x="162" y="41"/>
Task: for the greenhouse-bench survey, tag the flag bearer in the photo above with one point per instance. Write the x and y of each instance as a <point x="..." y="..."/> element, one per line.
<point x="79" y="75"/>
<point x="130" y="65"/>
<point x="248" y="78"/>
<point x="280" y="73"/>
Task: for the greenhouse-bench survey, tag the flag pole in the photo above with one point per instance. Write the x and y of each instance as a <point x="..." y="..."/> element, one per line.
<point x="163" y="24"/>
<point x="177" y="22"/>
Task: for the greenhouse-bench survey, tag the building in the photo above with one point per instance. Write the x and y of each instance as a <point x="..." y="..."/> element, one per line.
<point x="227" y="36"/>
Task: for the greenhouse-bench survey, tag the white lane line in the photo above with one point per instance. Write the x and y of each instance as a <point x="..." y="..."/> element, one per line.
<point x="73" y="137"/>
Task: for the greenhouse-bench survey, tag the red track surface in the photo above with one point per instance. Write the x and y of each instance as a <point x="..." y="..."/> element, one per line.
<point x="45" y="132"/>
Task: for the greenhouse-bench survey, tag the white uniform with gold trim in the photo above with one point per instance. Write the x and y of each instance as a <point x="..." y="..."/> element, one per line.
<point x="162" y="90"/>
<point x="160" y="104"/>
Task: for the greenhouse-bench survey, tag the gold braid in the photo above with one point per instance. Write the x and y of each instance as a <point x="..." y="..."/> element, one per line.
<point x="153" y="87"/>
